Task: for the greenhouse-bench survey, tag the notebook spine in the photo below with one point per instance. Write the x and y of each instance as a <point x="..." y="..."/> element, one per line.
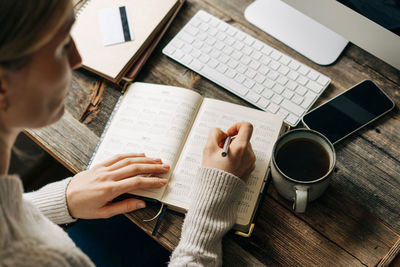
<point x="79" y="7"/>
<point x="104" y="131"/>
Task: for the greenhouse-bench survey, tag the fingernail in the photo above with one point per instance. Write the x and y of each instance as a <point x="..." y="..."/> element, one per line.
<point x="157" y="160"/>
<point x="141" y="205"/>
<point x="166" y="166"/>
<point x="163" y="181"/>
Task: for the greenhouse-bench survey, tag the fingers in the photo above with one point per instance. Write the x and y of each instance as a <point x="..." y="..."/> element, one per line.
<point x="120" y="207"/>
<point x="133" y="160"/>
<point x="137" y="169"/>
<point x="243" y="130"/>
<point x="119" y="157"/>
<point x="216" y="137"/>
<point x="138" y="182"/>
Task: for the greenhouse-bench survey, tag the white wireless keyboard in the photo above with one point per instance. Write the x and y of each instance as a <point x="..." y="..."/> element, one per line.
<point x="247" y="67"/>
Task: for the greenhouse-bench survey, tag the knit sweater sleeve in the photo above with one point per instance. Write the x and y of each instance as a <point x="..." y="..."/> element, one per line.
<point x="211" y="214"/>
<point x="51" y="201"/>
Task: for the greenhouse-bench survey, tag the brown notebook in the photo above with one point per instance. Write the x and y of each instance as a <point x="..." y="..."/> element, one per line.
<point x="148" y="21"/>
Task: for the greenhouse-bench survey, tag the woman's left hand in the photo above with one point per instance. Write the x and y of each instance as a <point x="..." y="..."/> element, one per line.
<point x="90" y="192"/>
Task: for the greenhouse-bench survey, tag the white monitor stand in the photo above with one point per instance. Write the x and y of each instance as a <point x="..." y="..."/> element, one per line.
<point x="296" y="30"/>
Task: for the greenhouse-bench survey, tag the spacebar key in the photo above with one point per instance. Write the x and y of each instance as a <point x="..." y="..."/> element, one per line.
<point x="225" y="82"/>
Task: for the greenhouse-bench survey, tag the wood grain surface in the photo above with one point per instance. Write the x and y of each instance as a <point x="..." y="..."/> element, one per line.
<point x="355" y="223"/>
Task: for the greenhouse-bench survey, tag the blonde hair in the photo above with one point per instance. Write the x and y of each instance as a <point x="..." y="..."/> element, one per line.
<point x="26" y="25"/>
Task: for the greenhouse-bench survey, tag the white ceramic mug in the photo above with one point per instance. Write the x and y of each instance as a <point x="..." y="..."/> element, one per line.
<point x="301" y="192"/>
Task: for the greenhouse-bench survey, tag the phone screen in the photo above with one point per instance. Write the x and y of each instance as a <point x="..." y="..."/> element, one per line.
<point x="349" y="111"/>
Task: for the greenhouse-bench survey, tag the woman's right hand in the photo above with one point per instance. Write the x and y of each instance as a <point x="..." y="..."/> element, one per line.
<point x="240" y="160"/>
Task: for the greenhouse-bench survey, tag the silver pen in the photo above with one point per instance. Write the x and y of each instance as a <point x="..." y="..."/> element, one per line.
<point x="226" y="145"/>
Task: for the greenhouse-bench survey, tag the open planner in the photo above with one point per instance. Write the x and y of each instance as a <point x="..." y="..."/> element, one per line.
<point x="173" y="123"/>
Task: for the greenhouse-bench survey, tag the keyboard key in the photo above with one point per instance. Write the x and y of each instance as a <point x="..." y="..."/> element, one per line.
<point x="196" y="65"/>
<point x="187" y="59"/>
<point x="273" y="107"/>
<point x="313" y="75"/>
<point x="187" y="38"/>
<point x="301" y="90"/>
<point x="277" y="99"/>
<point x="272" y="75"/>
<point x="212" y="63"/>
<point x="283" y="70"/>
<point x="297" y="99"/>
<point x="259" y="78"/>
<point x="291" y="85"/>
<point x="248" y="40"/>
<point x="257" y="45"/>
<point x="262" y="102"/>
<point x="274" y="65"/>
<point x="253" y="96"/>
<point x="242" y="69"/>
<point x="250" y="73"/>
<point x="276" y="55"/>
<point x="248" y="83"/>
<point x="269" y="83"/>
<point x="283" y="113"/>
<point x="204" y="58"/>
<point x="245" y="60"/>
<point x="169" y="50"/>
<point x="294" y="65"/>
<point x="237" y="55"/>
<point x="222" y="68"/>
<point x="304" y="70"/>
<point x="178" y="54"/>
<point x="178" y="43"/>
<point x="278" y="88"/>
<point x="268" y="93"/>
<point x="266" y="50"/>
<point x="263" y="70"/>
<point x="247" y="50"/>
<point x="284" y="60"/>
<point x="287" y="94"/>
<point x="254" y="64"/>
<point x="240" y="35"/>
<point x="293" y="75"/>
<point x="240" y="78"/>
<point x="302" y="80"/>
<point x="314" y="86"/>
<point x="292" y="119"/>
<point x="258" y="88"/>
<point x="323" y="80"/>
<point x="232" y="63"/>
<point x="295" y="109"/>
<point x="282" y="80"/>
<point x="238" y="88"/>
<point x="230" y="73"/>
<point x="191" y="30"/>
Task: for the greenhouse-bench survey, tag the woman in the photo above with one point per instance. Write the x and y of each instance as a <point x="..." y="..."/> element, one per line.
<point x="37" y="55"/>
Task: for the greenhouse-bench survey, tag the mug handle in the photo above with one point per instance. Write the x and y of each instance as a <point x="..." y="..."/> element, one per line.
<point x="300" y="199"/>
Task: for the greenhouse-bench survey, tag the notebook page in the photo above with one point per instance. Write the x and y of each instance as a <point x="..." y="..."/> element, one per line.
<point x="153" y="119"/>
<point x="219" y="114"/>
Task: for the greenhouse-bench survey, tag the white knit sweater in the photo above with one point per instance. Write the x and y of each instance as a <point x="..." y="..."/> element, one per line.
<point x="29" y="235"/>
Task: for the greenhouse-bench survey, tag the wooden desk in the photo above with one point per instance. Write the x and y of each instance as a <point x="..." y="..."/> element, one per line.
<point x="356" y="222"/>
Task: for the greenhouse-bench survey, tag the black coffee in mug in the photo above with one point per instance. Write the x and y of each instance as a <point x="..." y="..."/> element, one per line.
<point x="303" y="159"/>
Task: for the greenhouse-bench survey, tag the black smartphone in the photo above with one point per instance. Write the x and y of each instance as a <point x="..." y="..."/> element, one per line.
<point x="349" y="111"/>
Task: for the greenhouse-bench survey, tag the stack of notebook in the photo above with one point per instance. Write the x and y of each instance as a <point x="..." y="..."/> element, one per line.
<point x="148" y="21"/>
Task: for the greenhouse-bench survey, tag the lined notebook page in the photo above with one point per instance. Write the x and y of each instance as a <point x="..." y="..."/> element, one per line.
<point x="151" y="118"/>
<point x="219" y="114"/>
<point x="145" y="16"/>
